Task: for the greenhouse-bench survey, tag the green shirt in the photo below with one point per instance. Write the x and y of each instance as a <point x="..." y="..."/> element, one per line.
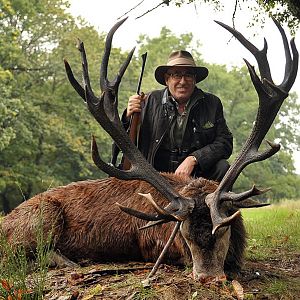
<point x="178" y="127"/>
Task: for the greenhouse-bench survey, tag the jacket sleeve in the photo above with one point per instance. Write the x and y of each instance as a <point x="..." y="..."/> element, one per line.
<point x="220" y="148"/>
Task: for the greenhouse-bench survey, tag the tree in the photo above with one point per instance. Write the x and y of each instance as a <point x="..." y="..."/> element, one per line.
<point x="9" y="110"/>
<point x="49" y="138"/>
<point x="286" y="12"/>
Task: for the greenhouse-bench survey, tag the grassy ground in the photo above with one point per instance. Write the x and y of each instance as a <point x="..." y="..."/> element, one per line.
<point x="274" y="242"/>
<point x="271" y="271"/>
<point x="273" y="228"/>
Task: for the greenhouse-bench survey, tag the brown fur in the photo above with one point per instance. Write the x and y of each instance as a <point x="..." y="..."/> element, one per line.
<point x="86" y="222"/>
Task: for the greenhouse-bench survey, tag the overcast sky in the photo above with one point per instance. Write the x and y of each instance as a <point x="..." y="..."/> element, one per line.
<point x="217" y="47"/>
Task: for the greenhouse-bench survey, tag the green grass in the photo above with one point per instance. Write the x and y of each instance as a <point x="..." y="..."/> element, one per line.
<point x="272" y="229"/>
<point x="277" y="287"/>
<point x="19" y="278"/>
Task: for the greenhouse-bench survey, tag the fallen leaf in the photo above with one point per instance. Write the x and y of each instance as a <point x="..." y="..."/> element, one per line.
<point x="5" y="284"/>
<point x="96" y="291"/>
<point x="238" y="289"/>
<point x="75" y="276"/>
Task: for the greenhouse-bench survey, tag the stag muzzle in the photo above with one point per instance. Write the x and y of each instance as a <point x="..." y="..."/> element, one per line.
<point x="208" y="252"/>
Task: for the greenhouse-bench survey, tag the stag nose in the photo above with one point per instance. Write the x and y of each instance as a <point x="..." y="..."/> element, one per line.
<point x="204" y="278"/>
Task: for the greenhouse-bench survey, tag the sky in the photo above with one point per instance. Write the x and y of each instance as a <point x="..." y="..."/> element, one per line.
<point x="217" y="46"/>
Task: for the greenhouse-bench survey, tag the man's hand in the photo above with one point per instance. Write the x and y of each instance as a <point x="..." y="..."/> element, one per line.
<point x="134" y="104"/>
<point x="187" y="166"/>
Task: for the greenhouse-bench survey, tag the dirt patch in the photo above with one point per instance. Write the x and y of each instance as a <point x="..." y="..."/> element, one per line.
<point x="272" y="279"/>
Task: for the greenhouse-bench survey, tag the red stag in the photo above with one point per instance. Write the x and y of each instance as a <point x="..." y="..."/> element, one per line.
<point x="86" y="222"/>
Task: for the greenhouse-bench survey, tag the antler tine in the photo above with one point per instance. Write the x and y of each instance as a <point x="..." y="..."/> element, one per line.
<point x="85" y="68"/>
<point x="75" y="84"/>
<point x="291" y="66"/>
<point x="105" y="111"/>
<point x="105" y="59"/>
<point x="271" y="98"/>
<point x="104" y="83"/>
<point x="139" y="214"/>
<point x="260" y="55"/>
<point x="286" y="48"/>
<point x="291" y="73"/>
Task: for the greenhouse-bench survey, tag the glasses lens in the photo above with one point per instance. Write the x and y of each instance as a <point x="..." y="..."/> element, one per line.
<point x="178" y="76"/>
<point x="189" y="76"/>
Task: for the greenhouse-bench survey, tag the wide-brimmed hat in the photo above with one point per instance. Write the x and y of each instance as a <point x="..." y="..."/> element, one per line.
<point x="180" y="58"/>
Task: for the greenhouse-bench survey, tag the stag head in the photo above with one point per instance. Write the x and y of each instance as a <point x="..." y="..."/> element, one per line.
<point x="183" y="205"/>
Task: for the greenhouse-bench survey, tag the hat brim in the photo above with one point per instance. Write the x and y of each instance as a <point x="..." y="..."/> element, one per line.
<point x="159" y="74"/>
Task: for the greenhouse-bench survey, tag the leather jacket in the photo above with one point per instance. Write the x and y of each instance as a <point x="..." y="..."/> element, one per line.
<point x="206" y="134"/>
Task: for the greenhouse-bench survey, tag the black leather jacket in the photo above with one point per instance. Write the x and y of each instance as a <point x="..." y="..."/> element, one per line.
<point x="206" y="135"/>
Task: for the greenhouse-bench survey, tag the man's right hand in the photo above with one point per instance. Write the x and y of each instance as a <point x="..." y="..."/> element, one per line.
<point x="134" y="104"/>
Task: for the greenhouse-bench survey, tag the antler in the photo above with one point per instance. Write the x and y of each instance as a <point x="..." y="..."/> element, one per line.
<point x="271" y="98"/>
<point x="105" y="110"/>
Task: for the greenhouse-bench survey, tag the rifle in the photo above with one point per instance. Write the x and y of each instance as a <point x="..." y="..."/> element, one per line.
<point x="135" y="118"/>
<point x="132" y="128"/>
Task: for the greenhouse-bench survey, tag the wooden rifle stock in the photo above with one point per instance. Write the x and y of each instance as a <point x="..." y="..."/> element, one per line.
<point x="135" y="118"/>
<point x="133" y="131"/>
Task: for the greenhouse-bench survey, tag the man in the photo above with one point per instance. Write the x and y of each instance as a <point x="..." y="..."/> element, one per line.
<point x="183" y="129"/>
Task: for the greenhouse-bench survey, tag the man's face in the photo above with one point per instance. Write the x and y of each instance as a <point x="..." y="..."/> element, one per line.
<point x="181" y="83"/>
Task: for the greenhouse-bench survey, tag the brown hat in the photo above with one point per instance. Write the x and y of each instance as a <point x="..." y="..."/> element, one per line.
<point x="180" y="58"/>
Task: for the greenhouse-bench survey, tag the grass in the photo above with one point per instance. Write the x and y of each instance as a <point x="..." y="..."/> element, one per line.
<point x="277" y="287"/>
<point x="274" y="236"/>
<point x="19" y="278"/>
<point x="273" y="228"/>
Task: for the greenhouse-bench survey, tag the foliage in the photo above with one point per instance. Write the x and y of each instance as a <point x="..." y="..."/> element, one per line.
<point x="46" y="142"/>
<point x="9" y="110"/>
<point x="286" y="12"/>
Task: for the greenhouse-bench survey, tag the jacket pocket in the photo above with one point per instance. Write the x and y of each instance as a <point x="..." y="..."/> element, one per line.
<point x="203" y="136"/>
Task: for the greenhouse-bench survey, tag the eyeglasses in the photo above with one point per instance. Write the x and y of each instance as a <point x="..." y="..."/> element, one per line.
<point x="178" y="76"/>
